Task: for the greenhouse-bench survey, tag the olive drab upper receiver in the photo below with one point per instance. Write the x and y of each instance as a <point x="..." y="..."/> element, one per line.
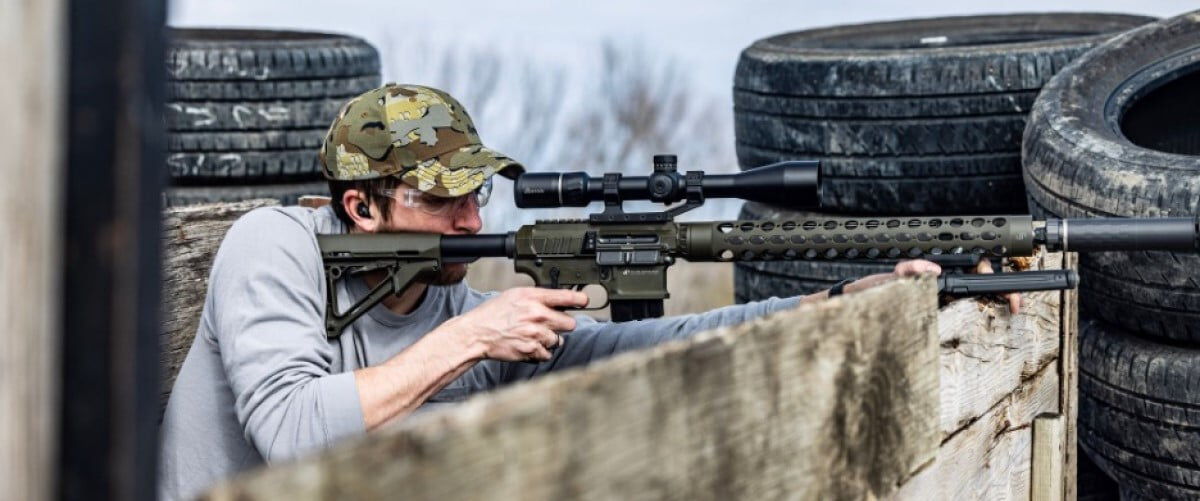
<point x="628" y="253"/>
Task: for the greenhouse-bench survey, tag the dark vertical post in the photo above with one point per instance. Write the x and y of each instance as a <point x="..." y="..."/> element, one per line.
<point x="113" y="135"/>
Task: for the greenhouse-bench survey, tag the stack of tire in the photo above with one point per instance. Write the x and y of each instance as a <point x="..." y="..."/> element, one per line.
<point x="247" y="110"/>
<point x="919" y="117"/>
<point x="1117" y="134"/>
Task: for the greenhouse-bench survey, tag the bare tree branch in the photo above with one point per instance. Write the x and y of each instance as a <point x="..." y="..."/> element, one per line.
<point x="606" y="113"/>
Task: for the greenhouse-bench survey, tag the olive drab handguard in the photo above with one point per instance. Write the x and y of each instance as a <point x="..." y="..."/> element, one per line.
<point x="628" y="253"/>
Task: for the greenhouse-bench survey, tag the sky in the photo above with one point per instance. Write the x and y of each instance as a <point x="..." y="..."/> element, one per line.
<point x="702" y="38"/>
<point x="706" y="36"/>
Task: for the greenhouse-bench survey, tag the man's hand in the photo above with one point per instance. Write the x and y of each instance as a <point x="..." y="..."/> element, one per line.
<point x="519" y="325"/>
<point x="916" y="267"/>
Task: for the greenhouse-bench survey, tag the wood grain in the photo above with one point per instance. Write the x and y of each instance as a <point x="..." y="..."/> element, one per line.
<point x="1068" y="373"/>
<point x="990" y="458"/>
<point x="191" y="236"/>
<point x="1048" y="454"/>
<point x="987" y="352"/>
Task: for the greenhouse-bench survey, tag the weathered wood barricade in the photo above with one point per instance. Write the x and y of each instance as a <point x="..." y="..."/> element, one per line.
<point x="878" y="394"/>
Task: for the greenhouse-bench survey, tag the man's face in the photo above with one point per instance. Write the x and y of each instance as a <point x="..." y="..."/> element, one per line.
<point x="461" y="217"/>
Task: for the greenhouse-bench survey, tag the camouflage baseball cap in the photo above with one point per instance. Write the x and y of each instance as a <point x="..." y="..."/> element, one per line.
<point x="418" y="133"/>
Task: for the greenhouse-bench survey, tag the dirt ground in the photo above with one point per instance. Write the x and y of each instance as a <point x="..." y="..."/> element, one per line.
<point x="694" y="287"/>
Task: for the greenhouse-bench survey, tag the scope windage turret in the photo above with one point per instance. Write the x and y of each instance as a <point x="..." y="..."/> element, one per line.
<point x="794" y="184"/>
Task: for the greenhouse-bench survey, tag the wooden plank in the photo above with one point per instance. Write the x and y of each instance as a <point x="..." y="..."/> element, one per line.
<point x="191" y="236"/>
<point x="990" y="458"/>
<point x="1068" y="371"/>
<point x="32" y="36"/>
<point x="1048" y="454"/>
<point x="986" y="352"/>
<point x="831" y="400"/>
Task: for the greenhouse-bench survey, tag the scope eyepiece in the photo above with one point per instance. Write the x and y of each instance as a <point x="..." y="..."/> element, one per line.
<point x="794" y="184"/>
<point x="551" y="189"/>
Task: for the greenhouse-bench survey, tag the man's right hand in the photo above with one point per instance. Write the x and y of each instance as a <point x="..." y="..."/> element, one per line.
<point x="519" y="325"/>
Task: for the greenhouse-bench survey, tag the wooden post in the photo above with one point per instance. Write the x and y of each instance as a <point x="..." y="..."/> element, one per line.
<point x="191" y="237"/>
<point x="998" y="372"/>
<point x="1048" y="454"/>
<point x="112" y="132"/>
<point x="1068" y="370"/>
<point x="31" y="46"/>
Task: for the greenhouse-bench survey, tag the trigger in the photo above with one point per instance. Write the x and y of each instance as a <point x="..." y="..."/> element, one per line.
<point x="554" y="277"/>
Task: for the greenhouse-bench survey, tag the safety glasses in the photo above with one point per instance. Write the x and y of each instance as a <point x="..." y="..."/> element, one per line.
<point x="439" y="206"/>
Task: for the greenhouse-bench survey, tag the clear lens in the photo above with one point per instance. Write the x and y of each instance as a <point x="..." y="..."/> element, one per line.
<point x="436" y="205"/>
<point x="484" y="192"/>
<point x="432" y="204"/>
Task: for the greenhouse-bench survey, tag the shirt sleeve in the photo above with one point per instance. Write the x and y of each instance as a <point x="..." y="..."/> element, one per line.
<point x="593" y="340"/>
<point x="268" y="298"/>
<point x="486" y="374"/>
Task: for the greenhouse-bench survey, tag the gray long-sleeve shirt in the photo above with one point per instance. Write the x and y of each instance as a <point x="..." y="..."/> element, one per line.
<point x="263" y="383"/>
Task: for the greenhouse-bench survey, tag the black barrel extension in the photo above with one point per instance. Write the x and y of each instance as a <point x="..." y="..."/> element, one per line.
<point x="1180" y="234"/>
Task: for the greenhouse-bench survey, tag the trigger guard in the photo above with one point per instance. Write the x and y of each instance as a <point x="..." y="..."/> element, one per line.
<point x="579" y="288"/>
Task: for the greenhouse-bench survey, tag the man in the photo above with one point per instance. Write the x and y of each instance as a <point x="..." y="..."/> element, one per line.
<point x="263" y="383"/>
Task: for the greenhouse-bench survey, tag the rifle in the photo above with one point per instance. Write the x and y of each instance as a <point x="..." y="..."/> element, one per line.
<point x="628" y="253"/>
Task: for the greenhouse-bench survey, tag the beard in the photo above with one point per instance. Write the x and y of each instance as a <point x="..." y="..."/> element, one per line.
<point x="450" y="274"/>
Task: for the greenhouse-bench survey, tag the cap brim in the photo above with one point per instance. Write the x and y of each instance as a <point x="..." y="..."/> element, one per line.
<point x="460" y="172"/>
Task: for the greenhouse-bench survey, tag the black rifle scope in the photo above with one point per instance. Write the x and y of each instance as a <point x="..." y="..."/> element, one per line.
<point x="793" y="184"/>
